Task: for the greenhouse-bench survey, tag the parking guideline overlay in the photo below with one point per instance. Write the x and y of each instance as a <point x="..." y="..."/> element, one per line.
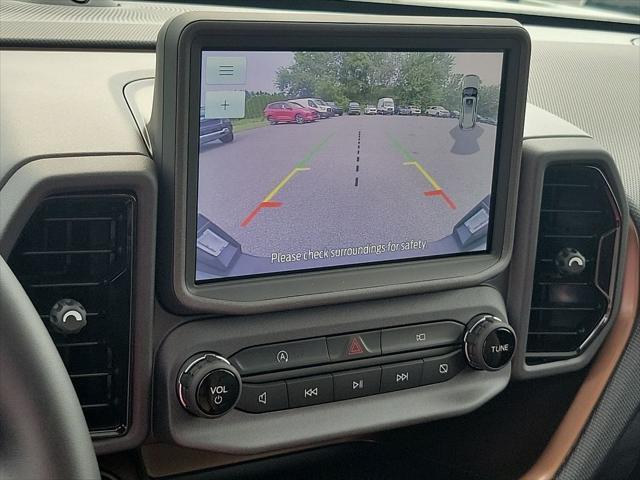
<point x="311" y="153"/>
<point x="409" y="160"/>
<point x="301" y="166"/>
<point x="283" y="182"/>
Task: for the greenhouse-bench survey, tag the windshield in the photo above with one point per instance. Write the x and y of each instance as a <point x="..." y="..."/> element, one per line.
<point x="622" y="11"/>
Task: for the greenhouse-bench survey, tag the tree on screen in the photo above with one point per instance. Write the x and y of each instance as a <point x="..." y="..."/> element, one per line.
<point x="488" y="101"/>
<point x="411" y="77"/>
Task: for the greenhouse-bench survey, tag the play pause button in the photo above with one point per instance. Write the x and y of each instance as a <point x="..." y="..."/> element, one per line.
<point x="356" y="383"/>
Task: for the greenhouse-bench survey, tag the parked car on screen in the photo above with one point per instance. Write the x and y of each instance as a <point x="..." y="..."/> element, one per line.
<point x="212" y="129"/>
<point x="386" y="106"/>
<point x="354" y="108"/>
<point x="322" y="103"/>
<point x="315" y="113"/>
<point x="437" y="111"/>
<point x="415" y="110"/>
<point x="370" y="110"/>
<point x="324" y="110"/>
<point x="469" y="108"/>
<point x="454" y="114"/>
<point x="288" y="112"/>
<point x="337" y="110"/>
<point x="402" y="110"/>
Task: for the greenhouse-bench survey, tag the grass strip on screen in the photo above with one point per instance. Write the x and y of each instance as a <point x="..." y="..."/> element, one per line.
<point x="242" y="124"/>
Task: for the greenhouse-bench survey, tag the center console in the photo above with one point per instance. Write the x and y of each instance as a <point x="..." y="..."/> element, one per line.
<point x="318" y="370"/>
<point x="251" y="383"/>
<point x="342" y="193"/>
<point x="338" y="226"/>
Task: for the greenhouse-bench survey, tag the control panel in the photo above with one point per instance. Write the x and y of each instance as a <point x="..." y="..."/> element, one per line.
<point x="277" y="380"/>
<point x="317" y="370"/>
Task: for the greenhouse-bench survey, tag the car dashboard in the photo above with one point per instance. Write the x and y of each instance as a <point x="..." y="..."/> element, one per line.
<point x="90" y="222"/>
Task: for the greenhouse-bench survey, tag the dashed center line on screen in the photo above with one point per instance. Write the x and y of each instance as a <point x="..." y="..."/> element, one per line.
<point x="358" y="158"/>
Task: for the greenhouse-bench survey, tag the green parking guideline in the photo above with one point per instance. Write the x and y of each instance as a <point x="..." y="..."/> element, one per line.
<point x="398" y="146"/>
<point x="311" y="153"/>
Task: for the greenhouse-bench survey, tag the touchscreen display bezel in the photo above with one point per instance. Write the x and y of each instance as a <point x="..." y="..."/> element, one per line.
<point x="343" y="283"/>
<point x="355" y="263"/>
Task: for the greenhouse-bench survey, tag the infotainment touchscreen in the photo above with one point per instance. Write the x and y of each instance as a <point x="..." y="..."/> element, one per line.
<point x="313" y="160"/>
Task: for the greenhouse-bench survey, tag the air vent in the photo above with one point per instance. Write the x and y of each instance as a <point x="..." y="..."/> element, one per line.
<point x="80" y="247"/>
<point x="577" y="250"/>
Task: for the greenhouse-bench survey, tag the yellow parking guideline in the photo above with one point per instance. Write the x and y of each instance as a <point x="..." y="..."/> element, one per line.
<point x="426" y="175"/>
<point x="283" y="182"/>
<point x="412" y="161"/>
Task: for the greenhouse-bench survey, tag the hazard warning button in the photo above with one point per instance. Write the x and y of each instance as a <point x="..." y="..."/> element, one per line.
<point x="355" y="345"/>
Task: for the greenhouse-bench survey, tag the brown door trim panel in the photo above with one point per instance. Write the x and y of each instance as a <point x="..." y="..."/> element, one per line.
<point x="585" y="401"/>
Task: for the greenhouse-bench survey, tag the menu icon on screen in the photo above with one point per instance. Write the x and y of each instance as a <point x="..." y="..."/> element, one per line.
<point x="226" y="70"/>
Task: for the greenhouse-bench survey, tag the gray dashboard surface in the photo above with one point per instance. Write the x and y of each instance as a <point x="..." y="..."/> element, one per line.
<point x="133" y="25"/>
<point x="64" y="103"/>
<point x="595" y="86"/>
<point x="116" y="26"/>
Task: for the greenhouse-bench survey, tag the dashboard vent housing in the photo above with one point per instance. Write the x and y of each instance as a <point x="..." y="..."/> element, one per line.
<point x="80" y="247"/>
<point x="579" y="219"/>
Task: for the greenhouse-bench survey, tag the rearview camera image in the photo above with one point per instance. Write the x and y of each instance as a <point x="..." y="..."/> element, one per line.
<point x="313" y="160"/>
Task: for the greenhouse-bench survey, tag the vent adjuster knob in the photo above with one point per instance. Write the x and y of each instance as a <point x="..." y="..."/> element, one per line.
<point x="570" y="261"/>
<point x="68" y="316"/>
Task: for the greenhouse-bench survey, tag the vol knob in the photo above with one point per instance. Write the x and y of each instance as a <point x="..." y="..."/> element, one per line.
<point x="208" y="386"/>
<point x="489" y="343"/>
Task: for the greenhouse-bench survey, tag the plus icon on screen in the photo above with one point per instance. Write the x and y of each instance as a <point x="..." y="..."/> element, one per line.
<point x="225" y="103"/>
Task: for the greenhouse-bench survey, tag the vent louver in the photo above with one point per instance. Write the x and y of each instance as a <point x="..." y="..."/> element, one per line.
<point x="80" y="247"/>
<point x="579" y="219"/>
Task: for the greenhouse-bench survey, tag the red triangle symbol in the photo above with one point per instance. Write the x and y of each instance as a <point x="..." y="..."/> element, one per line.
<point x="355" y="347"/>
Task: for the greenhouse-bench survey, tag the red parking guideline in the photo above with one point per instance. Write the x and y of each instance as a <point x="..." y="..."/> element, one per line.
<point x="444" y="196"/>
<point x="255" y="211"/>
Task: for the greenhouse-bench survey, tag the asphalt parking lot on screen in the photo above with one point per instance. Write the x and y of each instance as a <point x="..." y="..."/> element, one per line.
<point x="345" y="181"/>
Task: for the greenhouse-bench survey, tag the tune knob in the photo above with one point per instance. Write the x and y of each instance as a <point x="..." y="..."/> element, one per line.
<point x="489" y="343"/>
<point x="208" y="386"/>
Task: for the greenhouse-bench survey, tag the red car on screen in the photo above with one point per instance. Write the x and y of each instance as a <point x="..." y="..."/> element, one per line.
<point x="288" y="112"/>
